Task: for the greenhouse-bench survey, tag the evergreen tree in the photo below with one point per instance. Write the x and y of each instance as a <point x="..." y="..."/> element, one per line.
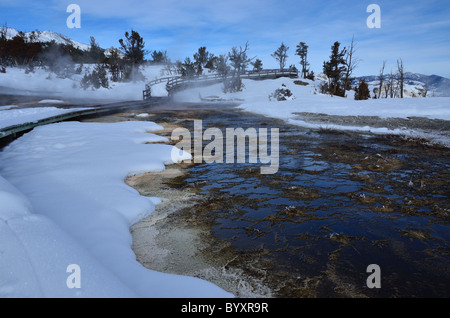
<point x="292" y="68"/>
<point x="133" y="49"/>
<point x="96" y="54"/>
<point x="17" y="49"/>
<point x="334" y="69"/>
<point x="211" y="62"/>
<point x="362" y="91"/>
<point x="201" y="58"/>
<point x="115" y="65"/>
<point x="187" y="68"/>
<point x="98" y="78"/>
<point x="310" y="75"/>
<point x="257" y="65"/>
<point x="302" y="51"/>
<point x="159" y="57"/>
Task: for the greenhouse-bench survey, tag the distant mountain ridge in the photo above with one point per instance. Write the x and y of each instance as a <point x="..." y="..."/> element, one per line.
<point x="47" y="36"/>
<point x="437" y="85"/>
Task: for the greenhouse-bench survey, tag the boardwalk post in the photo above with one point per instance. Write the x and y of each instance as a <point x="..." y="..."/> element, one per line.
<point x="147" y="93"/>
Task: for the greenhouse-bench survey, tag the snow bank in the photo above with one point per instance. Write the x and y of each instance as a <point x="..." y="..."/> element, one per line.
<point x="11" y="117"/>
<point x="433" y="108"/>
<point x="6" y="107"/>
<point x="51" y="101"/>
<point x="72" y="175"/>
<point x="143" y="115"/>
<point x="35" y="254"/>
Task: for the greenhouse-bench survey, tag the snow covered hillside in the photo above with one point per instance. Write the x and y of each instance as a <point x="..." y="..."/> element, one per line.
<point x="47" y="36"/>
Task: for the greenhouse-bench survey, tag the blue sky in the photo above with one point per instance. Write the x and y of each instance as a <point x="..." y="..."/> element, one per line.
<point x="416" y="31"/>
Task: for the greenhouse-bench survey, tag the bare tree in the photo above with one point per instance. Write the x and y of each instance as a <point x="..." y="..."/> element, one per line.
<point x="281" y="55"/>
<point x="426" y="88"/>
<point x="169" y="68"/>
<point x="388" y="85"/>
<point x="391" y="89"/>
<point x="381" y="79"/>
<point x="351" y="61"/>
<point x="239" y="61"/>
<point x="401" y="76"/>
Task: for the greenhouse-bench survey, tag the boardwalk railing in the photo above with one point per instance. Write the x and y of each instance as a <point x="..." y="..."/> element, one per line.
<point x="174" y="83"/>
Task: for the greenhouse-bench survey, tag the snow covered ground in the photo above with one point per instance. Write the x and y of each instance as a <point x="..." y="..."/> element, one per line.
<point x="307" y="99"/>
<point x="64" y="201"/>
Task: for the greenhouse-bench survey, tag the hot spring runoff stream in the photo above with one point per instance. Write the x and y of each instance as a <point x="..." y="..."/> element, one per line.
<point x="339" y="202"/>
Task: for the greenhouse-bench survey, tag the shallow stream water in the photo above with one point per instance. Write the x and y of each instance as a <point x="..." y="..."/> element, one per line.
<point x="339" y="202"/>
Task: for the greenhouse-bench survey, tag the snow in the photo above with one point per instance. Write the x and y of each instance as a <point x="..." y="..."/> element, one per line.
<point x="51" y="101"/>
<point x="143" y="115"/>
<point x="35" y="253"/>
<point x="11" y="117"/>
<point x="6" y="107"/>
<point x="256" y="96"/>
<point x="74" y="208"/>
<point x="383" y="108"/>
<point x="307" y="99"/>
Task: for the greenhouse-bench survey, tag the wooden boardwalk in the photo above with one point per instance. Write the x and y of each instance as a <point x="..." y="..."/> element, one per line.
<point x="175" y="83"/>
